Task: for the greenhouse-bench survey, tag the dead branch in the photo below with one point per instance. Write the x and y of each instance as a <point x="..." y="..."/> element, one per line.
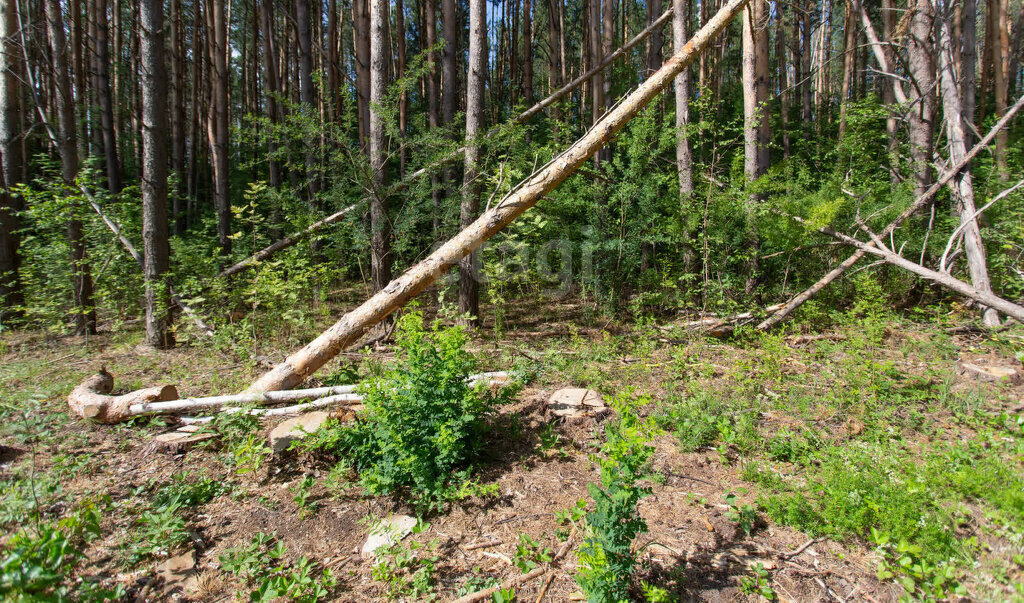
<point x="878" y="248"/>
<point x="398" y="292"/>
<point x="918" y="203"/>
<point x="285" y="243"/>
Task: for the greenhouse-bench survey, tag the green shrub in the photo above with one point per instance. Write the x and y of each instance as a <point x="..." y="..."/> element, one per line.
<point x="423" y="423"/>
<point x="606" y="558"/>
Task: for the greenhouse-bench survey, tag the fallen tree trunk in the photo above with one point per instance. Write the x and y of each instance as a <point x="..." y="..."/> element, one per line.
<point x="90" y="400"/>
<point x="285" y="243"/>
<point x="876" y="247"/>
<point x="304" y="362"/>
<point x="918" y="203"/>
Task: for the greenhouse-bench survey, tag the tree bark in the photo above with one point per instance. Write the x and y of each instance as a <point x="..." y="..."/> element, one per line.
<point x="102" y="66"/>
<point x="11" y="294"/>
<point x="849" y="49"/>
<point x="361" y="45"/>
<point x="304" y="362"/>
<point x="755" y="122"/>
<point x="271" y="89"/>
<point x="955" y="134"/>
<point x="806" y="85"/>
<point x="654" y="50"/>
<point x="85" y="313"/>
<point x="403" y="101"/>
<point x="449" y="77"/>
<point x="380" y="229"/>
<point x="684" y="155"/>
<point x="217" y="27"/>
<point x="433" y="107"/>
<point x="177" y="117"/>
<point x="156" y="247"/>
<point x="469" y="267"/>
<point x="307" y="92"/>
<point x="969" y="63"/>
<point x="922" y="115"/>
<point x="999" y="62"/>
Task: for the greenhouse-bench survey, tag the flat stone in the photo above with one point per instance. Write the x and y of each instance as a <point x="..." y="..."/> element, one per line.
<point x="179" y="441"/>
<point x="386" y="533"/>
<point x="574" y="401"/>
<point x="178" y="572"/>
<point x="296" y="428"/>
<point x="997" y="374"/>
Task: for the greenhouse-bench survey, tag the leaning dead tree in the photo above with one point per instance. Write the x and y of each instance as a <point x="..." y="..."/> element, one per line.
<point x="919" y="203"/>
<point x="298" y="236"/>
<point x="398" y="292"/>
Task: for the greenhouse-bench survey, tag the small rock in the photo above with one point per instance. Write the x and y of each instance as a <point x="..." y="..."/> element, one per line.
<point x="178" y="572"/>
<point x="574" y="401"/>
<point x="386" y="533"/>
<point x="997" y="374"/>
<point x="296" y="428"/>
<point x="179" y="441"/>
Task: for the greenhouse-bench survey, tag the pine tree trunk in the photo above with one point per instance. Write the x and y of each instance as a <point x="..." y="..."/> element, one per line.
<point x="217" y="28"/>
<point x="469" y="266"/>
<point x="177" y="118"/>
<point x="403" y="102"/>
<point x="433" y="108"/>
<point x="806" y="83"/>
<point x="156" y="247"/>
<point x="755" y="122"/>
<point x="684" y="155"/>
<point x="999" y="61"/>
<point x="380" y="260"/>
<point x="922" y="94"/>
<point x="307" y="92"/>
<point x="361" y="41"/>
<point x="85" y="313"/>
<point x="849" y="50"/>
<point x="974" y="248"/>
<point x="11" y="294"/>
<point x="102" y="65"/>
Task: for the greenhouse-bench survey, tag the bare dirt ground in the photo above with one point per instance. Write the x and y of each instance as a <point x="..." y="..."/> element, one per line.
<point x="693" y="547"/>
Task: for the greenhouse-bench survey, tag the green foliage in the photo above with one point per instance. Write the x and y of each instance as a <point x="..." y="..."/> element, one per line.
<point x="530" y="553"/>
<point x="36" y="562"/>
<point x="408" y="571"/>
<point x="744" y="515"/>
<point x="271" y="577"/>
<point x="758" y="583"/>
<point x="921" y="580"/>
<point x="423" y="423"/>
<point x="606" y="558"/>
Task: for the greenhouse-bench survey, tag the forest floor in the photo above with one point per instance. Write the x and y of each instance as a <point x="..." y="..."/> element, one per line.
<point x="864" y="440"/>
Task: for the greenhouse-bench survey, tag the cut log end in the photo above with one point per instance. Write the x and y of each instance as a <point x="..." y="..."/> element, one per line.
<point x="91" y="399"/>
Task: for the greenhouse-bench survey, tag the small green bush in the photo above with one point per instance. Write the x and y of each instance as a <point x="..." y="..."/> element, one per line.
<point x="606" y="558"/>
<point x="423" y="423"/>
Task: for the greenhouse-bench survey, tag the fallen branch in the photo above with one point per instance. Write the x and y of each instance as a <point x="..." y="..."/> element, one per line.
<point x="918" y="203"/>
<point x="401" y="290"/>
<point x="285" y="243"/>
<point x="90" y="400"/>
<point x="878" y="248"/>
<point x="485" y="594"/>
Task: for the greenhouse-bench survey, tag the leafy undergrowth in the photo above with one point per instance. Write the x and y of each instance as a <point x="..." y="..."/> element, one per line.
<point x="720" y="455"/>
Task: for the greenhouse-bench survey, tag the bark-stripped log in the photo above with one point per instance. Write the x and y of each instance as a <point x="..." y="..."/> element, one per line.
<point x="304" y="362"/>
<point x="91" y="399"/>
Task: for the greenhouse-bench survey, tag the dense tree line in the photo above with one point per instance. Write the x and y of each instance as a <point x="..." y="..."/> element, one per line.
<point x="214" y="128"/>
